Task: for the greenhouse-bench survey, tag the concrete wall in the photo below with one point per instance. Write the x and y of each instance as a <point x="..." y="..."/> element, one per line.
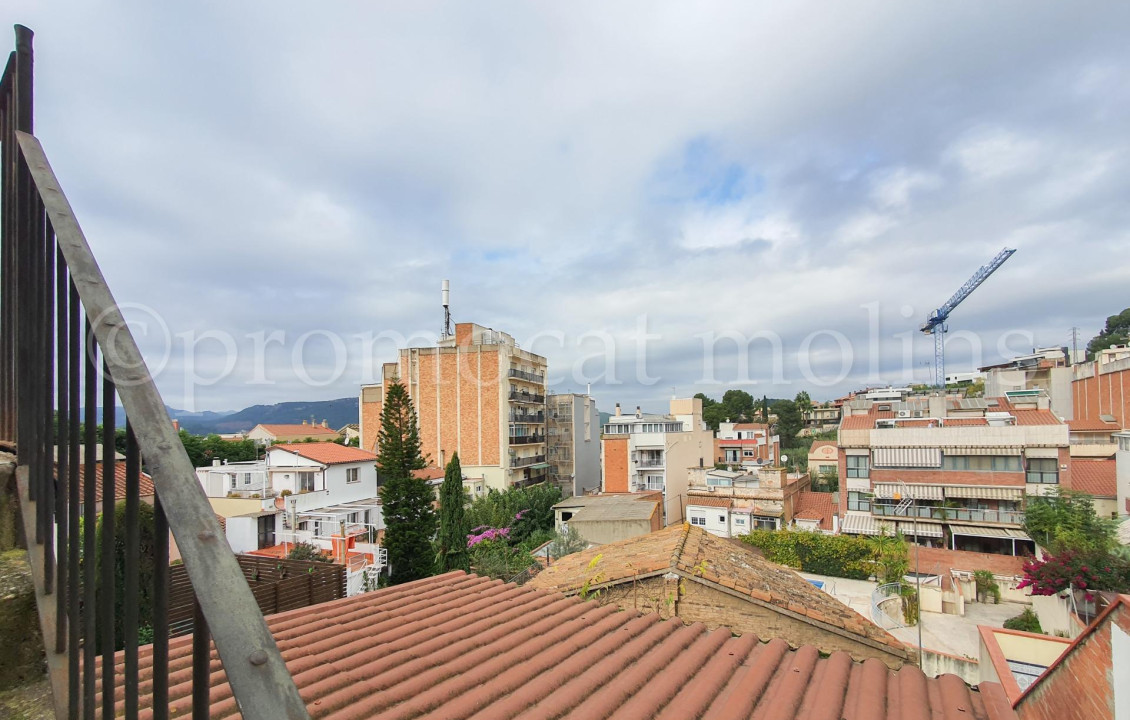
<point x="602" y="532"/>
<point x="939" y="663"/>
<point x="243" y="534"/>
<point x="1055" y="615"/>
<point x="717" y="518"/>
<point x="586" y="445"/>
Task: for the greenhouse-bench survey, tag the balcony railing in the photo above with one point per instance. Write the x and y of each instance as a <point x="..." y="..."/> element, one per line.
<point x="518" y="462"/>
<point x="649" y="462"/>
<point x="526" y="397"/>
<point x="526" y="439"/>
<point x="65" y="346"/>
<point x="536" y="418"/>
<point x="527" y="376"/>
<point x="998" y="517"/>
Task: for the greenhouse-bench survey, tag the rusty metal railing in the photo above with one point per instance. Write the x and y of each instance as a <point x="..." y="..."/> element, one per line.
<point x="64" y="349"/>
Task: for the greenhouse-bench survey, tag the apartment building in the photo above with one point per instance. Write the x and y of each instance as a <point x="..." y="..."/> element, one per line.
<point x="656" y="452"/>
<point x="1047" y="369"/>
<point x="820" y="417"/>
<point x="729" y="503"/>
<point x="1100" y="390"/>
<point x="746" y="445"/>
<point x="476" y="393"/>
<point x="950" y="471"/>
<point x="573" y="443"/>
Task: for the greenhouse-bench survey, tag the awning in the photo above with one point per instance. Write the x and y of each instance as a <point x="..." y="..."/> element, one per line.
<point x="861" y="525"/>
<point x="925" y="529"/>
<point x="535" y="466"/>
<point x="981" y="450"/>
<point x="985" y="493"/>
<point x="917" y="457"/>
<point x="887" y="491"/>
<point x="988" y="532"/>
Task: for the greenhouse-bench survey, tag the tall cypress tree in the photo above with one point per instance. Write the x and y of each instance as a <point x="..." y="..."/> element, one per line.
<point x="453" y="528"/>
<point x="410" y="521"/>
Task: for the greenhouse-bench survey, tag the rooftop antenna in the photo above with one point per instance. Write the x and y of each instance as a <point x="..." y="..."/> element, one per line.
<point x="445" y="292"/>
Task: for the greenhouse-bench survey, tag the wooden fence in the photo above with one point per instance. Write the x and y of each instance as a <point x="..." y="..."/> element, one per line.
<point x="278" y="585"/>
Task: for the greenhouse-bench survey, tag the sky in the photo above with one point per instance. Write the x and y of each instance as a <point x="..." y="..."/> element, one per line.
<point x="660" y="197"/>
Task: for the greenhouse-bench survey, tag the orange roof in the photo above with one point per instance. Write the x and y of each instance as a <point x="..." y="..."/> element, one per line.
<point x="1091" y="425"/>
<point x="146" y="488"/>
<point x="431" y="472"/>
<point x="750" y="426"/>
<point x="816" y="506"/>
<point x="458" y="645"/>
<point x="299" y="430"/>
<point x="699" y="556"/>
<point x="328" y="453"/>
<point x="707" y="501"/>
<point x="821" y="443"/>
<point x="858" y="422"/>
<point x="1036" y="417"/>
<point x="1096" y="477"/>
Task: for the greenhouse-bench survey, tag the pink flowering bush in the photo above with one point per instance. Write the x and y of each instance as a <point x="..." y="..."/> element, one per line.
<point x="1090" y="572"/>
<point x="483" y="534"/>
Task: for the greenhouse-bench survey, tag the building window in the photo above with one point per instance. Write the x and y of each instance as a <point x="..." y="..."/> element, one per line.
<point x="351" y="475"/>
<point x="701" y="521"/>
<point x="859" y="501"/>
<point x="858" y="466"/>
<point x="760" y="523"/>
<point x="654" y="482"/>
<point x="982" y="463"/>
<point x="722" y="519"/>
<point x="1043" y="470"/>
<point x="747" y="453"/>
<point x="246" y="478"/>
<point x="306" y="482"/>
<point x="739" y="521"/>
<point x="232" y="482"/>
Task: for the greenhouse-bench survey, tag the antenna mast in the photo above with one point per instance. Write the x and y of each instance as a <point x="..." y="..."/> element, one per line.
<point x="445" y="293"/>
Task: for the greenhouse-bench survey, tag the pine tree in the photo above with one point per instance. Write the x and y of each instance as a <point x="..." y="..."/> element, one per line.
<point x="453" y="528"/>
<point x="410" y="521"/>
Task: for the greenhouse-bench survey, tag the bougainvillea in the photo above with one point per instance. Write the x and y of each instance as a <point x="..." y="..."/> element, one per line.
<point x="1090" y="572"/>
<point x="484" y="533"/>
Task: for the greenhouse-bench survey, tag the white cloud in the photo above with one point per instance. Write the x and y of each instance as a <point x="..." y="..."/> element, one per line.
<point x="991" y="153"/>
<point x="725" y="227"/>
<point x="891" y="189"/>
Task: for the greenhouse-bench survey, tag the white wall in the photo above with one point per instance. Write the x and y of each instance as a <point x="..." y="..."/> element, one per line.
<point x="243" y="533"/>
<point x="717" y="519"/>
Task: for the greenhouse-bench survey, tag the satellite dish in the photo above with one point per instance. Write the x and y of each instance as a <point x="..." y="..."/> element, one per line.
<point x="784" y="458"/>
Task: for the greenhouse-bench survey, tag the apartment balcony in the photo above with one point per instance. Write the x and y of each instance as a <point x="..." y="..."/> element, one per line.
<point x="649" y="463"/>
<point x="995" y="517"/>
<point x="527" y="376"/>
<point x="527" y="439"/>
<point x="525" y="397"/>
<point x="537" y="418"/>
<point x="518" y="462"/>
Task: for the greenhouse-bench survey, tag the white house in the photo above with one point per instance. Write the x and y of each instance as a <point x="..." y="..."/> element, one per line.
<point x="237" y="479"/>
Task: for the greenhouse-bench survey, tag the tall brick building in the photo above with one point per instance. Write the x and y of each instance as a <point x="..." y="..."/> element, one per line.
<point x="476" y="393"/>
<point x="1101" y="389"/>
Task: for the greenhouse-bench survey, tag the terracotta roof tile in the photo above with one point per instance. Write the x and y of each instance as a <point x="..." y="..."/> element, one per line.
<point x="431" y="472"/>
<point x="300" y="430"/>
<point x="1096" y="477"/>
<point x="145" y="490"/>
<point x="816" y="506"/>
<point x="459" y="646"/>
<point x="697" y="555"/>
<point x="1036" y="417"/>
<point x="328" y="453"/>
<point x="858" y="422"/>
<point x="707" y="501"/>
<point x="1091" y="425"/>
<point x="821" y="443"/>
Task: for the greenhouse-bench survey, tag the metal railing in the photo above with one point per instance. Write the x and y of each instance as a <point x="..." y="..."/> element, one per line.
<point x="526" y="397"/>
<point x="526" y="439"/>
<point x="1000" y="517"/>
<point x="518" y="462"/>
<point x="527" y="376"/>
<point x="64" y="345"/>
<point x="537" y="418"/>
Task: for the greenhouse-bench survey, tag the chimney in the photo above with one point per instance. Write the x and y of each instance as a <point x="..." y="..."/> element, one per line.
<point x="215" y="462"/>
<point x="304" y="422"/>
<point x="617" y="409"/>
<point x="325" y="423"/>
<point x="176" y="425"/>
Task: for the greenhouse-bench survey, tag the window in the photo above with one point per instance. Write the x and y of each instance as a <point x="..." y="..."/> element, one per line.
<point x="739" y="521"/>
<point x="713" y="481"/>
<point x="701" y="521"/>
<point x="982" y="463"/>
<point x="351" y="475"/>
<point x="232" y="482"/>
<point x="722" y="519"/>
<point x="859" y="501"/>
<point x="747" y="453"/>
<point x="1043" y="470"/>
<point x="760" y="523"/>
<point x="858" y="466"/>
<point x="306" y="482"/>
<point x="246" y="478"/>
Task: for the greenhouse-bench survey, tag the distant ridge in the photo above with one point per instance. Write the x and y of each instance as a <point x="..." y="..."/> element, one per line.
<point x="336" y="413"/>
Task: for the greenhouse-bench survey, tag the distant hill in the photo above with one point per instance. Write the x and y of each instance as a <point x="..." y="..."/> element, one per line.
<point x="336" y="413"/>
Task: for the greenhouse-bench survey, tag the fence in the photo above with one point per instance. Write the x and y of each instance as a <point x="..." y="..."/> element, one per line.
<point x="277" y="585"/>
<point x="65" y="350"/>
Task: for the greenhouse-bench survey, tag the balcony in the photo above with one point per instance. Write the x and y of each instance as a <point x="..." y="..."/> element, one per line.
<point x="527" y="376"/>
<point x="66" y="350"/>
<point x="997" y="517"/>
<point x="649" y="463"/>
<point x="527" y="439"/>
<point x="537" y="418"/>
<point x="525" y="397"/>
<point x="519" y="462"/>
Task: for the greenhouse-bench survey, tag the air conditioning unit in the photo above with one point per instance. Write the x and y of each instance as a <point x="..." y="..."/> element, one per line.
<point x="904" y="413"/>
<point x="917" y="413"/>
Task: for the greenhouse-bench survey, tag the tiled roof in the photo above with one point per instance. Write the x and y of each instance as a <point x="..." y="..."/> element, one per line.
<point x="750" y="426"/>
<point x="964" y="421"/>
<point x="223" y="522"/>
<point x="707" y="501"/>
<point x="146" y="484"/>
<point x="460" y="646"/>
<point x="328" y="453"/>
<point x="821" y="443"/>
<point x="1091" y="425"/>
<point x="1036" y="417"/>
<point x="1096" y="477"/>
<point x="300" y="430"/>
<point x="699" y="556"/>
<point x="431" y="472"/>
<point x="858" y="422"/>
<point x="816" y="506"/>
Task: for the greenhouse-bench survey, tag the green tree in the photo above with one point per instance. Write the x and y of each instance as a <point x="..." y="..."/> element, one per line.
<point x="1115" y="332"/>
<point x="1066" y="520"/>
<point x="307" y="551"/>
<point x="410" y="521"/>
<point x="803" y="401"/>
<point x="452" y="541"/>
<point x="738" y="405"/>
<point x="789" y="421"/>
<point x="146" y="566"/>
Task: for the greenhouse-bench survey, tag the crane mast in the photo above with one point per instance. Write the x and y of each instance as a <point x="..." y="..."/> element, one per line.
<point x="936" y="324"/>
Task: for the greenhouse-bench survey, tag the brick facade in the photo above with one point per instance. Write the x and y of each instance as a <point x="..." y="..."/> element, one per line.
<point x="615" y="464"/>
<point x="1102" y="394"/>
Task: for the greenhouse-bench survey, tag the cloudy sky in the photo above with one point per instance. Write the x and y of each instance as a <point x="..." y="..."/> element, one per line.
<point x="278" y="189"/>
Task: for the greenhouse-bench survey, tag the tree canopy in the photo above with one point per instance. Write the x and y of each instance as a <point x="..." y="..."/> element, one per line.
<point x="789" y="421"/>
<point x="1066" y="520"/>
<point x="410" y="521"/>
<point x="451" y="553"/>
<point x="1115" y="332"/>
